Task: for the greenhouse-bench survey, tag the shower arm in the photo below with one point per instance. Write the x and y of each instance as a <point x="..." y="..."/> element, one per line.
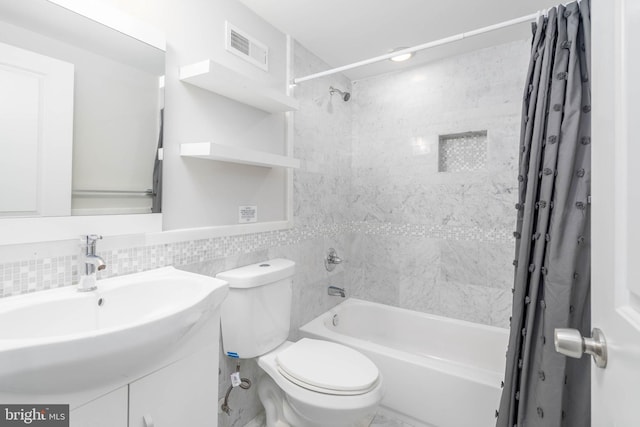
<point x="344" y="94"/>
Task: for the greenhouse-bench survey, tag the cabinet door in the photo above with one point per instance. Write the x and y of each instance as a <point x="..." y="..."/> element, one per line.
<point x="109" y="410"/>
<point x="182" y="394"/>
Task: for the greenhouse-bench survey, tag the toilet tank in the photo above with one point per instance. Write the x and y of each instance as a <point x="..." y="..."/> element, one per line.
<point x="256" y="315"/>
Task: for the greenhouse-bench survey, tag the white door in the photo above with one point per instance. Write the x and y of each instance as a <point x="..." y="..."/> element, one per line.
<point x="615" y="390"/>
<point x="36" y="131"/>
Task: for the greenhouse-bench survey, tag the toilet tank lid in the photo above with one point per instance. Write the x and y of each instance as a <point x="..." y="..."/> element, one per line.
<point x="259" y="274"/>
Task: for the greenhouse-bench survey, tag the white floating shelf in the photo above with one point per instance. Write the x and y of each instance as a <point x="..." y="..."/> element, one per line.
<point x="224" y="81"/>
<point x="226" y="153"/>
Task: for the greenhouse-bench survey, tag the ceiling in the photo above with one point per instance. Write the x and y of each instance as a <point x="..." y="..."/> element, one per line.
<point x="346" y="31"/>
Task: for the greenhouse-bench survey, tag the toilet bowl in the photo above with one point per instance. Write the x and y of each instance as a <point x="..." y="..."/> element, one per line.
<point x="318" y="384"/>
<point x="309" y="383"/>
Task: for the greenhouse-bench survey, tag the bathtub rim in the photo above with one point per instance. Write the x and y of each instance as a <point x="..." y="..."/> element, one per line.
<point x="352" y="300"/>
<point x="316" y="329"/>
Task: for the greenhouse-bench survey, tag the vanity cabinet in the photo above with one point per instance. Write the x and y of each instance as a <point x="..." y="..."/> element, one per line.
<point x="181" y="394"/>
<point x="109" y="410"/>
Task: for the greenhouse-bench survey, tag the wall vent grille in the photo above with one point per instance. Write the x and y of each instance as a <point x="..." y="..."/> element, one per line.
<point x="246" y="47"/>
<point x="239" y="42"/>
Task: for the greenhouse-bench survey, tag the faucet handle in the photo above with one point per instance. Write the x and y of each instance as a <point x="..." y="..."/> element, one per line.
<point x="89" y="239"/>
<point x="332" y="259"/>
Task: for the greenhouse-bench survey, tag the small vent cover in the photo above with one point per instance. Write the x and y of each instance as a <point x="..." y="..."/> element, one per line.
<point x="243" y="45"/>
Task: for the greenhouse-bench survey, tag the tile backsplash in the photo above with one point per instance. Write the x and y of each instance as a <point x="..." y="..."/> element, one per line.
<point x="38" y="274"/>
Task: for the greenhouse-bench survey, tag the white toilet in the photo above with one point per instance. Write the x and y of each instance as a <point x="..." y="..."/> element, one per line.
<point x="310" y="383"/>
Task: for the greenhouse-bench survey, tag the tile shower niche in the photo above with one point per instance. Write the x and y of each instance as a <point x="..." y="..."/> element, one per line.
<point x="462" y="152"/>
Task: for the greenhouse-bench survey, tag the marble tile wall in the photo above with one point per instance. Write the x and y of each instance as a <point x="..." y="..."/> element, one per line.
<point x="435" y="241"/>
<point x="322" y="141"/>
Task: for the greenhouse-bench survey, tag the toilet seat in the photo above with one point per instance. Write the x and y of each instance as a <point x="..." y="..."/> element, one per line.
<point x="327" y="367"/>
<point x="325" y="405"/>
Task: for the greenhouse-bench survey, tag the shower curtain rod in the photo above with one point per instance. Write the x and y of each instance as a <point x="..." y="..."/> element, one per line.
<point x="424" y="46"/>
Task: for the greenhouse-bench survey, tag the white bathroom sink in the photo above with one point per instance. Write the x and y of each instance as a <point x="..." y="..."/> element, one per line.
<point x="63" y="340"/>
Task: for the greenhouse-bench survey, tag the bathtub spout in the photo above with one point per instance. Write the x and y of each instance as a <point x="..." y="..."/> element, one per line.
<point x="336" y="291"/>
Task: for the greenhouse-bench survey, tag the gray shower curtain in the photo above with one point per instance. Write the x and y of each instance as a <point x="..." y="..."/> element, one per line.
<point x="552" y="281"/>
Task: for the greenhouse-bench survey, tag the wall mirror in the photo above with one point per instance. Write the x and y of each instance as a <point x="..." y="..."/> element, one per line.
<point x="82" y="123"/>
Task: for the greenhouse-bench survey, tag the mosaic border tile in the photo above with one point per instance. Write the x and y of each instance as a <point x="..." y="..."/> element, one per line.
<point x="441" y="232"/>
<point x="45" y="273"/>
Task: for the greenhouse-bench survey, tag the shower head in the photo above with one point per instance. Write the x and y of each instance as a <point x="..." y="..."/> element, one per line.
<point x="344" y="95"/>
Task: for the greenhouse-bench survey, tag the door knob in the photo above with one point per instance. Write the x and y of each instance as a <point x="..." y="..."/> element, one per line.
<point x="571" y="343"/>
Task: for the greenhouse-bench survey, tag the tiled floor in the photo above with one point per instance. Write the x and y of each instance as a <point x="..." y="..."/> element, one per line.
<point x="385" y="420"/>
<point x="380" y="420"/>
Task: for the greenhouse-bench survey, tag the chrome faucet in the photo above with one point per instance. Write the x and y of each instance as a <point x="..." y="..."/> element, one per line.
<point x="332" y="259"/>
<point x="336" y="291"/>
<point x="90" y="263"/>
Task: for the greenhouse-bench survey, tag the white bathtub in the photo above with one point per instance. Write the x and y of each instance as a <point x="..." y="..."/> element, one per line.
<point x="437" y="371"/>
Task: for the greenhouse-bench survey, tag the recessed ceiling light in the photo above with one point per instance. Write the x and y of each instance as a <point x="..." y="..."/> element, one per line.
<point x="401" y="57"/>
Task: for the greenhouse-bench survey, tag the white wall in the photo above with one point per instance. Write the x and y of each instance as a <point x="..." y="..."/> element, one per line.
<point x="153" y="12"/>
<point x="205" y="193"/>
